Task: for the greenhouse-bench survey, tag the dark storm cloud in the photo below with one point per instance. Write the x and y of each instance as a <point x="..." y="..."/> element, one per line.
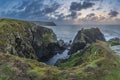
<point x="53" y="7"/>
<point x="72" y="15"/>
<point x="90" y="15"/>
<point x="113" y="14"/>
<point x="77" y="6"/>
<point x="35" y="8"/>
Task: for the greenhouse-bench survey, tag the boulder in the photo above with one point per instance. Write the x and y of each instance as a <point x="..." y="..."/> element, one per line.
<point x="84" y="37"/>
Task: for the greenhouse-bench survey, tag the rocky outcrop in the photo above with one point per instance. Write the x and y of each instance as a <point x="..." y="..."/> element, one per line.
<point x="84" y="37"/>
<point x="25" y="39"/>
<point x="42" y="23"/>
<point x="114" y="39"/>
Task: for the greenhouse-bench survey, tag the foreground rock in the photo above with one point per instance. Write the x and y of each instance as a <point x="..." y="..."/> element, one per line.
<point x="25" y="39"/>
<point x="84" y="37"/>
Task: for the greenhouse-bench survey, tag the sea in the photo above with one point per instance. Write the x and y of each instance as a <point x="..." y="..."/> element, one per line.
<point x="68" y="32"/>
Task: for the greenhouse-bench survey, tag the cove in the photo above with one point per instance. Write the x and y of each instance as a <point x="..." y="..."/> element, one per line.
<point x="56" y="57"/>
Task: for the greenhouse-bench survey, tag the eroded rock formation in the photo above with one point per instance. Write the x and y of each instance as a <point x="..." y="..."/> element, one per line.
<point x="85" y="37"/>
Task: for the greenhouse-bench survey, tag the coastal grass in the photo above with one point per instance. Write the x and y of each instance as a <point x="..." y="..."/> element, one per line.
<point x="114" y="43"/>
<point x="98" y="62"/>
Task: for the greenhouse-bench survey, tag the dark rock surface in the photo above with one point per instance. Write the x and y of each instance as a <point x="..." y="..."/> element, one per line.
<point x="84" y="37"/>
<point x="41" y="40"/>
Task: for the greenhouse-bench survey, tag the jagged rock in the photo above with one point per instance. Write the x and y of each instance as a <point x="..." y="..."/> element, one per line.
<point x="25" y="39"/>
<point x="84" y="37"/>
<point x="114" y="39"/>
<point x="41" y="40"/>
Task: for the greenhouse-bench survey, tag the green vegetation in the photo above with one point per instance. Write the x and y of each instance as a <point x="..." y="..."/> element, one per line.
<point x="10" y="28"/>
<point x="97" y="62"/>
<point x="14" y="68"/>
<point x="48" y="38"/>
<point x="113" y="43"/>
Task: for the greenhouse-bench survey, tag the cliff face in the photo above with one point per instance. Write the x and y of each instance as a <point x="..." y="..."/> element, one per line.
<point x="25" y="39"/>
<point x="84" y="37"/>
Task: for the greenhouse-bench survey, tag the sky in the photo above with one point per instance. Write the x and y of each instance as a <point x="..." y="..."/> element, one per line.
<point x="63" y="11"/>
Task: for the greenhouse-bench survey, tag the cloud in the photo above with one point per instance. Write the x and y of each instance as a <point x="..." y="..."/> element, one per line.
<point x="77" y="6"/>
<point x="93" y="18"/>
<point x="90" y="15"/>
<point x="73" y="15"/>
<point x="113" y="14"/>
<point x="51" y="8"/>
<point x="32" y="9"/>
<point x="22" y="6"/>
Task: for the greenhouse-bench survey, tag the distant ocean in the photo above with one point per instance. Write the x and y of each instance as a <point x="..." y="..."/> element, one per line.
<point x="68" y="32"/>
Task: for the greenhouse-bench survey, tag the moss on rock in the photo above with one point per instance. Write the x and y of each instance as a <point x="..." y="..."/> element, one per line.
<point x="25" y="39"/>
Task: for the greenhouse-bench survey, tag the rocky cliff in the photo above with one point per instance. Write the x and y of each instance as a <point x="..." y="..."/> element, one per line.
<point x="25" y="39"/>
<point x="85" y="37"/>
